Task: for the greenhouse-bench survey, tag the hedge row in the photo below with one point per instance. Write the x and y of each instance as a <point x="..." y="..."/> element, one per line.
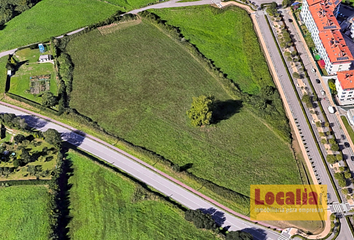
<point x="8" y="183"/>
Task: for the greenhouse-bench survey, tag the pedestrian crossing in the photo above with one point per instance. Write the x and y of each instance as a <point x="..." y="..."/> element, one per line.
<point x="339" y="207"/>
<point x="285" y="234"/>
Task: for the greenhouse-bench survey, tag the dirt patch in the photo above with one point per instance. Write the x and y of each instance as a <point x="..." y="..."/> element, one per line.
<point x="118" y="26"/>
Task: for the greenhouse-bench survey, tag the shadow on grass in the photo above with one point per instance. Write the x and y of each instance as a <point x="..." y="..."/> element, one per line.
<point x="2" y="26"/>
<point x="223" y="110"/>
<point x="115" y="169"/>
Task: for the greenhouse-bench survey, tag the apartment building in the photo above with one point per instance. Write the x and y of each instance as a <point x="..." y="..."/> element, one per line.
<point x="345" y="87"/>
<point x="319" y="17"/>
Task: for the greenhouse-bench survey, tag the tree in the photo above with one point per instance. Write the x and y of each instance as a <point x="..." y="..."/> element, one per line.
<point x="200" y="219"/>
<point x="309" y="41"/>
<point x="342" y="182"/>
<point x="332" y="86"/>
<point x="286" y="3"/>
<point x="238" y="235"/>
<point x="52" y="136"/>
<point x="338" y="175"/>
<point x="48" y="99"/>
<point x="19" y="138"/>
<point x="335" y="147"/>
<point x="326" y="124"/>
<point x="332" y="141"/>
<point x="307" y="100"/>
<point x="322" y="134"/>
<point x="201" y="110"/>
<point x="347" y="175"/>
<point x="318" y="124"/>
<point x="323" y="141"/>
<point x="339" y="156"/>
<point x="331" y="158"/>
<point x="296" y="75"/>
<point x="272" y="9"/>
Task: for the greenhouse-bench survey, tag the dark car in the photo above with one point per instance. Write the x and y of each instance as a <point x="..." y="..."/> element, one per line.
<point x="290" y="20"/>
<point x="318" y="81"/>
<point x="352" y="158"/>
<point x="346" y="144"/>
<point x="343" y="137"/>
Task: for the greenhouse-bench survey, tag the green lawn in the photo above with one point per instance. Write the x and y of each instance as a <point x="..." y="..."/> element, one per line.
<point x="24" y="213"/>
<point x="104" y="206"/>
<point x="20" y="82"/>
<point x="138" y="84"/>
<point x="227" y="37"/>
<point x="55" y="17"/>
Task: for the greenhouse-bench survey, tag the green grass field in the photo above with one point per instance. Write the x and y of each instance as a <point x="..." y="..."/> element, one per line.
<point x="104" y="206"/>
<point x="24" y="213"/>
<point x="138" y="84"/>
<point x="29" y="67"/>
<point x="55" y="17"/>
<point x="227" y="37"/>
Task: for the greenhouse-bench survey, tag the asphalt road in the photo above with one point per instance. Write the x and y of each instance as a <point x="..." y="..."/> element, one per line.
<point x="345" y="232"/>
<point x="148" y="176"/>
<point x="293" y="102"/>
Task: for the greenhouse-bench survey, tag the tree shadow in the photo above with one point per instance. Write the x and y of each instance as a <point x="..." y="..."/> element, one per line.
<point x="223" y="110"/>
<point x="33" y="121"/>
<point x="257" y="233"/>
<point x="74" y="137"/>
<point x="2" y="26"/>
<point x="63" y="199"/>
<point x="185" y="167"/>
<point x="218" y="216"/>
<point x="19" y="64"/>
<point x="7" y="85"/>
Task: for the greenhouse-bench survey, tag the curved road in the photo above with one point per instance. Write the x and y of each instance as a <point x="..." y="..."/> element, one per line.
<point x="163" y="185"/>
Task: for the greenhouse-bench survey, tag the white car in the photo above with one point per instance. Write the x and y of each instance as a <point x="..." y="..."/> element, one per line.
<point x="313" y="70"/>
<point x="323" y="92"/>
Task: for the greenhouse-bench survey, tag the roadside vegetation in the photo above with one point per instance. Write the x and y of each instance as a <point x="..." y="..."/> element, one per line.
<point x="24" y="212"/>
<point x="102" y="197"/>
<point x="152" y="81"/>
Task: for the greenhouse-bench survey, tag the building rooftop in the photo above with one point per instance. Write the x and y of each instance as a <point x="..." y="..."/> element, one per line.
<point x="346" y="79"/>
<point x="324" y="17"/>
<point x="335" y="46"/>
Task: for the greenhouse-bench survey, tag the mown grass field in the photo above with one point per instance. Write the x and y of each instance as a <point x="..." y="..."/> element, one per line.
<point x="24" y="212"/>
<point x="55" y="17"/>
<point x="138" y="84"/>
<point x="104" y="205"/>
<point x="227" y="37"/>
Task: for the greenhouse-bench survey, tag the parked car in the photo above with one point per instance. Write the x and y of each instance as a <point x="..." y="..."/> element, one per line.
<point x="346" y="144"/>
<point x="352" y="158"/>
<point x="323" y="92"/>
<point x="290" y="20"/>
<point x="331" y="109"/>
<point x="313" y="70"/>
<point x="343" y="137"/>
<point x="318" y="81"/>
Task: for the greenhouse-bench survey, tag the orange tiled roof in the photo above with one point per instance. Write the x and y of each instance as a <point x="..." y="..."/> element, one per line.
<point x="330" y="4"/>
<point x="335" y="46"/>
<point x="346" y="79"/>
<point x="324" y="18"/>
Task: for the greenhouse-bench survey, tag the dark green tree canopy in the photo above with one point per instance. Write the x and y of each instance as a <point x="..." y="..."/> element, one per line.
<point x="200" y="112"/>
<point x="52" y="136"/>
<point x="48" y="99"/>
<point x="200" y="219"/>
<point x="239" y="235"/>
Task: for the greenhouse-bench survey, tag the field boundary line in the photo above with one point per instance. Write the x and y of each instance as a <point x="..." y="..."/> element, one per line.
<point x="147" y="166"/>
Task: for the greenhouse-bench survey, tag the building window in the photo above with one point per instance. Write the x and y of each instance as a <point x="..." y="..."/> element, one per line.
<point x="350" y="92"/>
<point x="349" y="95"/>
<point x="342" y="99"/>
<point x="342" y="96"/>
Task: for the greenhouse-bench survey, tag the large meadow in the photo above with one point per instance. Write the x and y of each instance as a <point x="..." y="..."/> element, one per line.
<point x="139" y="83"/>
<point x="24" y="212"/>
<point x="106" y="205"/>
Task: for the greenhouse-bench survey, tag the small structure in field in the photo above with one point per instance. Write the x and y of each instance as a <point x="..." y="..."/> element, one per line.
<point x="41" y="48"/>
<point x="45" y="58"/>
<point x="9" y="73"/>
